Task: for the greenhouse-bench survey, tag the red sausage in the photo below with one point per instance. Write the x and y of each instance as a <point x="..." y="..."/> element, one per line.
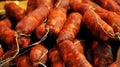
<point x="79" y="45"/>
<point x="38" y="54"/>
<point x="71" y="27"/>
<point x="55" y="58"/>
<point x="72" y="56"/>
<point x="41" y="30"/>
<point x="47" y="3"/>
<point x="62" y="3"/>
<point x="8" y="35"/>
<point x="14" y="11"/>
<point x="102" y="53"/>
<point x="109" y="5"/>
<point x="56" y="20"/>
<point x="24" y="61"/>
<point x="97" y="26"/>
<point x="6" y="22"/>
<point x="115" y="64"/>
<point x="33" y="4"/>
<point x="110" y="17"/>
<point x="32" y="20"/>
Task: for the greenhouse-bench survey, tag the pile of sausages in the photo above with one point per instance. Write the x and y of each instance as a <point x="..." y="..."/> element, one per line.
<point x="60" y="33"/>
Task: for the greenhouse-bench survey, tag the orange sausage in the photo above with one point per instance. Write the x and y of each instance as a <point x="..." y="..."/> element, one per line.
<point x="71" y="56"/>
<point x="41" y="30"/>
<point x="38" y="54"/>
<point x="47" y="3"/>
<point x="109" y="5"/>
<point x="55" y="58"/>
<point x="24" y="61"/>
<point x="6" y="22"/>
<point x="33" y="4"/>
<point x="113" y="20"/>
<point x="32" y="20"/>
<point x="96" y="7"/>
<point x="62" y="3"/>
<point x="14" y="11"/>
<point x="70" y="28"/>
<point x="56" y="20"/>
<point x="8" y="35"/>
<point x="115" y="64"/>
<point x="97" y="26"/>
<point x="102" y="53"/>
<point x="79" y="45"/>
<point x="117" y="1"/>
<point x="110" y="17"/>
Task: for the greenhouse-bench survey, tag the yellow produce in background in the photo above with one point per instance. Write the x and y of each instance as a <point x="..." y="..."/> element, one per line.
<point x="21" y="3"/>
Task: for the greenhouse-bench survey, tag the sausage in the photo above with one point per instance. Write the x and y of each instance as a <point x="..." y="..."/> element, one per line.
<point x="8" y="35"/>
<point x="32" y="5"/>
<point x="41" y="30"/>
<point x="56" y="20"/>
<point x="102" y="53"/>
<point x="62" y="3"/>
<point x="97" y="8"/>
<point x="24" y="61"/>
<point x="79" y="45"/>
<point x="109" y="5"/>
<point x="14" y="11"/>
<point x="71" y="56"/>
<point x="38" y="54"/>
<point x="97" y="26"/>
<point x="47" y="3"/>
<point x="32" y="20"/>
<point x="6" y="22"/>
<point x="55" y="58"/>
<point x="117" y="1"/>
<point x="115" y="64"/>
<point x="109" y="17"/>
<point x="70" y="28"/>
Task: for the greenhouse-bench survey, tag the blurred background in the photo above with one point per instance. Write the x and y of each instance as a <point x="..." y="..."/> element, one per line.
<point x="21" y="3"/>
